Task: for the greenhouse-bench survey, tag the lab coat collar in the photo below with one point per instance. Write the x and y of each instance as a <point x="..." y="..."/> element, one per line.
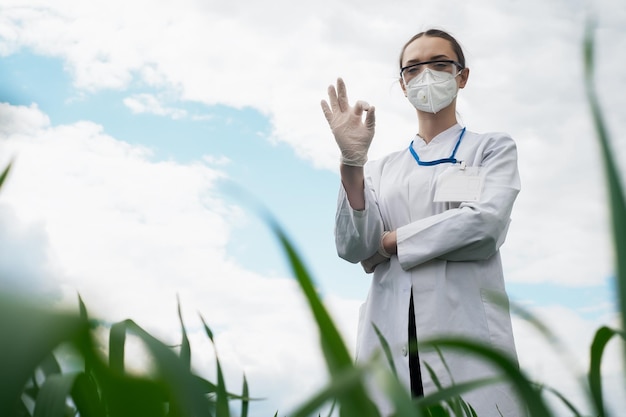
<point x="450" y="134"/>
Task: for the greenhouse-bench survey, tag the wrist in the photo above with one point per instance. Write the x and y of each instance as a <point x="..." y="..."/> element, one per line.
<point x="381" y="246"/>
<point x="388" y="243"/>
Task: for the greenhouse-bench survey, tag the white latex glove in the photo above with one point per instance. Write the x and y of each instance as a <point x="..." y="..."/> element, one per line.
<point x="353" y="136"/>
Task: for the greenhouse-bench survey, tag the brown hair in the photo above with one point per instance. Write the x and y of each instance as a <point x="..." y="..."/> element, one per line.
<point x="436" y="33"/>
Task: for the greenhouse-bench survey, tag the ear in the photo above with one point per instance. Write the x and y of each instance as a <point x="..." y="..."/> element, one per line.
<point x="463" y="77"/>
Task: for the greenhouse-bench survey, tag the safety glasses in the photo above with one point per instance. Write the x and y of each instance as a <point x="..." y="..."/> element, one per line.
<point x="444" y="65"/>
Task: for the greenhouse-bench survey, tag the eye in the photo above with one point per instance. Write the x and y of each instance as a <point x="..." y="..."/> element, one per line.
<point x="413" y="70"/>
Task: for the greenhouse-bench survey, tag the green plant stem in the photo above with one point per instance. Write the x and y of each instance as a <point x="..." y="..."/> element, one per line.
<point x="616" y="191"/>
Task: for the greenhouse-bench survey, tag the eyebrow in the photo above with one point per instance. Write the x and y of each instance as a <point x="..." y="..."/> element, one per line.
<point x="432" y="58"/>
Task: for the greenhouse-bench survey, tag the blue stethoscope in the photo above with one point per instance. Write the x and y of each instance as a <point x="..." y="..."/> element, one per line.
<point x="450" y="160"/>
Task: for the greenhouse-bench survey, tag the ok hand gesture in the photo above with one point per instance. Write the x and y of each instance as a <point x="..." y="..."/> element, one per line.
<point x="353" y="136"/>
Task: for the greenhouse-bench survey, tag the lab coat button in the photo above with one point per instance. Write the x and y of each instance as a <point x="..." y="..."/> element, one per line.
<point x="404" y="351"/>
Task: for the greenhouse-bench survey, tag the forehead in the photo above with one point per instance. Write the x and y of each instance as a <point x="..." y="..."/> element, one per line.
<point x="426" y="48"/>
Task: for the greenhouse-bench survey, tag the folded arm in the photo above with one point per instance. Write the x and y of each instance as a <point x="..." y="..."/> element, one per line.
<point x="474" y="230"/>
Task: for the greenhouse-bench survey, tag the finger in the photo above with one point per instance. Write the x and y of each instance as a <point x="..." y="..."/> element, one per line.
<point x="327" y="112"/>
<point x="370" y="119"/>
<point x="332" y="98"/>
<point x="342" y="95"/>
<point x="360" y="106"/>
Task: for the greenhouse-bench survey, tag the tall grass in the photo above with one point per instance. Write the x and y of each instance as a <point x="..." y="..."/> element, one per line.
<point x="617" y="204"/>
<point x="32" y="382"/>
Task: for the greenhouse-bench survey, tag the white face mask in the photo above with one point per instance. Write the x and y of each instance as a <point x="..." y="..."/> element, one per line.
<point x="431" y="90"/>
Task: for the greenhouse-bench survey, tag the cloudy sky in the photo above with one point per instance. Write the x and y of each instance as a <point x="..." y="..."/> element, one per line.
<point x="141" y="130"/>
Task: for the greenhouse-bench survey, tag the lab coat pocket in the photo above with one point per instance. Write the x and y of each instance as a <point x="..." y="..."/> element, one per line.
<point x="496" y="306"/>
<point x="459" y="184"/>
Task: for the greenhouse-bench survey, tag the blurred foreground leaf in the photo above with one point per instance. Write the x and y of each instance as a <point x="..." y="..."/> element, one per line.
<point x="527" y="391"/>
<point x="4" y="174"/>
<point x="354" y="401"/>
<point x="51" y="401"/>
<point x="603" y="335"/>
<point x="616" y="191"/>
<point x="29" y="334"/>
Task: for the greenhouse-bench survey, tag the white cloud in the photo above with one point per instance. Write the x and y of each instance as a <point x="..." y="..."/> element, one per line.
<point x="19" y="119"/>
<point x="85" y="213"/>
<point x="130" y="233"/>
<point x="108" y="212"/>
<point x="148" y="103"/>
<point x="26" y="266"/>
<point x="281" y="63"/>
<point x="526" y="63"/>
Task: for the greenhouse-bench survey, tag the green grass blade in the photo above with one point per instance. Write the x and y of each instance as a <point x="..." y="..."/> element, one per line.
<point x="174" y="383"/>
<point x="245" y="400"/>
<point x="336" y="355"/>
<point x="339" y="384"/>
<point x="185" y="348"/>
<point x="82" y="312"/>
<point x="565" y="353"/>
<point x="22" y="410"/>
<point x="5" y="174"/>
<point x="602" y="337"/>
<point x="542" y="328"/>
<point x="121" y="394"/>
<point x="561" y="397"/>
<point x="433" y="376"/>
<point x="117" y="346"/>
<point x="130" y="396"/>
<point x="332" y="409"/>
<point x="180" y="382"/>
<point x="82" y="309"/>
<point x="356" y="401"/>
<point x="29" y="335"/>
<point x="438" y="411"/>
<point x="452" y="395"/>
<point x="468" y="410"/>
<point x="444" y="394"/>
<point x="399" y="396"/>
<point x="454" y="402"/>
<point x="86" y="396"/>
<point x="526" y="390"/>
<point x="616" y="191"/>
<point x="334" y="349"/>
<point x="31" y="389"/>
<point x="386" y="350"/>
<point x="50" y="366"/>
<point x="53" y="395"/>
<point x="207" y="387"/>
<point x="221" y="394"/>
<point x="445" y="365"/>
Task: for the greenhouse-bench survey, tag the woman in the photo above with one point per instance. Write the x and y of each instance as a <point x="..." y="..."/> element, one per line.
<point x="428" y="222"/>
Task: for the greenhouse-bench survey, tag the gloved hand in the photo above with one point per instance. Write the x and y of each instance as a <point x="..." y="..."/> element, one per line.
<point x="381" y="255"/>
<point x="353" y="136"/>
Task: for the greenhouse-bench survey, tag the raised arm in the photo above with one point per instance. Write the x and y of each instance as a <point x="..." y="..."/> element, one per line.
<point x="353" y="136"/>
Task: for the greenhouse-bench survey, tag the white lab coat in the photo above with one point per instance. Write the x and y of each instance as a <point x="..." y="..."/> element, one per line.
<point x="448" y="254"/>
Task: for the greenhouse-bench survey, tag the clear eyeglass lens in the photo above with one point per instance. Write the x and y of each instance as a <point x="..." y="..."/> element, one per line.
<point x="413" y="71"/>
